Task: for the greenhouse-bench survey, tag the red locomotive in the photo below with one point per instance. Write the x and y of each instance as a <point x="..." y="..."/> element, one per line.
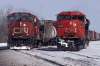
<point x="72" y="30"/>
<point x="23" y="30"/>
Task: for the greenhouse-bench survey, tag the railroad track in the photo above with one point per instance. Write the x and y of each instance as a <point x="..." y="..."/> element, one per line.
<point x="84" y="55"/>
<point x="32" y="54"/>
<point x="39" y="57"/>
<point x="71" y="52"/>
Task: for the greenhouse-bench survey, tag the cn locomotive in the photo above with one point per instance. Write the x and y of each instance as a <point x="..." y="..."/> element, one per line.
<point x="23" y="30"/>
<point x="72" y="30"/>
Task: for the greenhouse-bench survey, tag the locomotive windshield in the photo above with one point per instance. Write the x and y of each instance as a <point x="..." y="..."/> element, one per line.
<point x="20" y="17"/>
<point x="68" y="17"/>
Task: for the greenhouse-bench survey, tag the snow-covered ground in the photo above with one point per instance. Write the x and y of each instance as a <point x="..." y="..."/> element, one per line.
<point x="14" y="58"/>
<point x="3" y="44"/>
<point x="85" y="57"/>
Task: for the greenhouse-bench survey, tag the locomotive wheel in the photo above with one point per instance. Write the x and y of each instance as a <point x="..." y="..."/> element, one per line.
<point x="86" y="44"/>
<point x="31" y="46"/>
<point x="78" y="48"/>
<point x="8" y="46"/>
<point x="81" y="45"/>
<point x="39" y="44"/>
<point x="59" y="47"/>
<point x="75" y="48"/>
<point x="8" y="43"/>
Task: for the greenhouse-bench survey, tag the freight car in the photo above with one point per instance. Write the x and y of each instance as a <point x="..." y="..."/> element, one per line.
<point x="23" y="30"/>
<point x="93" y="36"/>
<point x="48" y="32"/>
<point x="97" y="36"/>
<point x="72" y="30"/>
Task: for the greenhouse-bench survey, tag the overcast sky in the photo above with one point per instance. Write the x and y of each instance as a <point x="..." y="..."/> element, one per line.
<point x="48" y="9"/>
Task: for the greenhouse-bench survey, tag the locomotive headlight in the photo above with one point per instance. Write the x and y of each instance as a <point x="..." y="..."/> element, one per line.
<point x="74" y="24"/>
<point x="24" y="24"/>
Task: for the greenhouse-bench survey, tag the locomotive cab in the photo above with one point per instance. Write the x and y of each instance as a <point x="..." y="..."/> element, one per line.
<point x="71" y="29"/>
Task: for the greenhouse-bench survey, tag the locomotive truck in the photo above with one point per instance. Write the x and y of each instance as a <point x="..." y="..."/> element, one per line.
<point x="72" y="30"/>
<point x="23" y="30"/>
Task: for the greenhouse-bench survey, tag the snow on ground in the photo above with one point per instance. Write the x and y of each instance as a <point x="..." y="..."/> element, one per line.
<point x="14" y="58"/>
<point x="93" y="51"/>
<point x="3" y="44"/>
<point x="85" y="57"/>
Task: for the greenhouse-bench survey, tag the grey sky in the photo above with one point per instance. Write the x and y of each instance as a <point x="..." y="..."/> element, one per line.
<point x="48" y="9"/>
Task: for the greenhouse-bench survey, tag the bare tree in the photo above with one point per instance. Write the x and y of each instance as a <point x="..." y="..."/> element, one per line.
<point x="3" y="24"/>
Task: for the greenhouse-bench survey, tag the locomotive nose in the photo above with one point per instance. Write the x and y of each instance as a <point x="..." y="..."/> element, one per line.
<point x="70" y="32"/>
<point x="20" y="29"/>
<point x="71" y="28"/>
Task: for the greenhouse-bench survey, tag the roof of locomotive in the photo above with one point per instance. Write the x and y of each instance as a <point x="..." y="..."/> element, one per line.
<point x="11" y="14"/>
<point x="21" y="13"/>
<point x="71" y="13"/>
